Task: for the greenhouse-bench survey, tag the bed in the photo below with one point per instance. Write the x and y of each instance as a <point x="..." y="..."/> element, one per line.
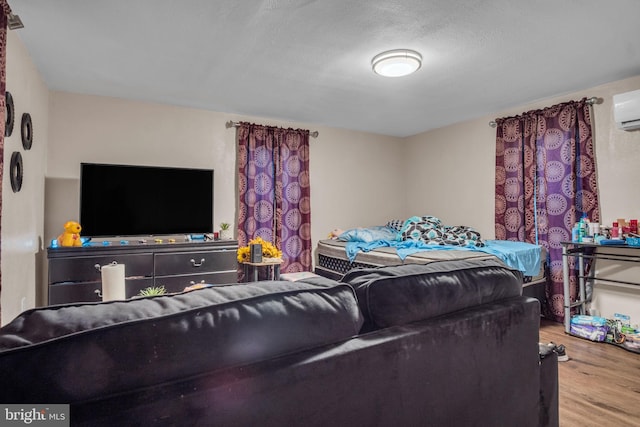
<point x="367" y="247"/>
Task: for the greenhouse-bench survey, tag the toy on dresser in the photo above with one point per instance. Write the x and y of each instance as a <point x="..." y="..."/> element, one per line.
<point x="71" y="234"/>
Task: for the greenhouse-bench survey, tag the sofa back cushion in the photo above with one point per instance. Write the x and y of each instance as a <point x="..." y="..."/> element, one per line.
<point x="74" y="352"/>
<point x="408" y="293"/>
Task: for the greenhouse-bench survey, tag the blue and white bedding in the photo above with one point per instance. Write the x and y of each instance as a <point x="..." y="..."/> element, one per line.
<point x="419" y="234"/>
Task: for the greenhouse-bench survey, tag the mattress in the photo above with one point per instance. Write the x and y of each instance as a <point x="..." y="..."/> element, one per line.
<point x="333" y="262"/>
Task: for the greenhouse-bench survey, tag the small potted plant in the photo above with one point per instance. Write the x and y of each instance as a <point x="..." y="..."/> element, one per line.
<point x="152" y="290"/>
<point x="225" y="231"/>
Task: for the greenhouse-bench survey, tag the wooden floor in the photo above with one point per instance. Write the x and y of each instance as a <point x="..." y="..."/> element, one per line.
<point x="599" y="385"/>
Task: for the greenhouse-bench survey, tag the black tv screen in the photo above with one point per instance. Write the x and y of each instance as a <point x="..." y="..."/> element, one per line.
<point x="121" y="200"/>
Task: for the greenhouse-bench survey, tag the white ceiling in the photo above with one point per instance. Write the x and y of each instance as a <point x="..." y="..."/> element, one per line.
<point x="310" y="60"/>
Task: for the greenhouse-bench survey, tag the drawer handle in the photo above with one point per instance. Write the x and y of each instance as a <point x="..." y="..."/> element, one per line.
<point x="197" y="264"/>
<point x="193" y="283"/>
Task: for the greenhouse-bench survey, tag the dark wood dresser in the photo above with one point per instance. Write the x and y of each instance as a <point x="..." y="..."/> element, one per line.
<point x="74" y="272"/>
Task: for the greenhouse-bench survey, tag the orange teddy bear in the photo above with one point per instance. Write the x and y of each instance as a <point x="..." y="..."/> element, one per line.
<point x="71" y="235"/>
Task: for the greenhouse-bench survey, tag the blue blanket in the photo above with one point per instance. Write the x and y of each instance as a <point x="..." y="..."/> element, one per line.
<point x="517" y="255"/>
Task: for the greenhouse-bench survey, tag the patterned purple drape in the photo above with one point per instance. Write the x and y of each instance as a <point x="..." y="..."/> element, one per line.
<point x="4" y="13"/>
<point x="274" y="191"/>
<point x="545" y="181"/>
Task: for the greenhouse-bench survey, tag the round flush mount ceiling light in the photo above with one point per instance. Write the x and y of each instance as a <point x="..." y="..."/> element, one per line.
<point x="396" y="63"/>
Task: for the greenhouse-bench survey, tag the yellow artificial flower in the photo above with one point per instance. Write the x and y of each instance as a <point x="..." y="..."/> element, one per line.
<point x="243" y="254"/>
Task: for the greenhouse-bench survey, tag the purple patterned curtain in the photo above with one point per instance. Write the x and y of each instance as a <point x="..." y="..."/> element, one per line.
<point x="274" y="191"/>
<point x="545" y="181"/>
<point x="4" y="13"/>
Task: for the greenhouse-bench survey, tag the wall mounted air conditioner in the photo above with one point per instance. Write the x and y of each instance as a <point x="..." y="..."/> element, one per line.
<point x="626" y="110"/>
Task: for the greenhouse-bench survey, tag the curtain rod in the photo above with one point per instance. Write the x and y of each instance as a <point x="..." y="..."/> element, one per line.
<point x="231" y="123"/>
<point x="590" y="101"/>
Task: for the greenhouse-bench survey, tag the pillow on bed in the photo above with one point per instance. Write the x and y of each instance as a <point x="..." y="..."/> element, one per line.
<point x="395" y="224"/>
<point x="369" y="234"/>
<point x="415" y="227"/>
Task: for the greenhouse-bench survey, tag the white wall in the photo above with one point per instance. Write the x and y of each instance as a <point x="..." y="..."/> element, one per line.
<point x="22" y="212"/>
<point x="355" y="180"/>
<point x="450" y="173"/>
<point x="610" y="298"/>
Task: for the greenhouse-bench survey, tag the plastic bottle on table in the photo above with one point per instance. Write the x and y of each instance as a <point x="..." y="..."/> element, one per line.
<point x="586" y="226"/>
<point x="582" y="228"/>
<point x="575" y="233"/>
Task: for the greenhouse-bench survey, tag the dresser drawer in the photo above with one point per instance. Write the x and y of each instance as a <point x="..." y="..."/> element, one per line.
<point x="66" y="293"/>
<point x="174" y="263"/>
<point x="178" y="283"/>
<point x="83" y="269"/>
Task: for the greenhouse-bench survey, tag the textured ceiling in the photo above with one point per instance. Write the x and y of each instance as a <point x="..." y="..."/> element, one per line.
<point x="310" y="61"/>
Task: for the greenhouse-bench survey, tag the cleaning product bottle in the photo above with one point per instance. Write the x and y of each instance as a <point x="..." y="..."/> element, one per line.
<point x="581" y="230"/>
<point x="575" y="233"/>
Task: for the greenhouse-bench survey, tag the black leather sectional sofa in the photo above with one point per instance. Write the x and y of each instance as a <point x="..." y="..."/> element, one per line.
<point x="442" y="344"/>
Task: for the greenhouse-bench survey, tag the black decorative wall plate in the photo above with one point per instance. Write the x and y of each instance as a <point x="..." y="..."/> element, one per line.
<point x="27" y="131"/>
<point x="9" y="114"/>
<point x="16" y="171"/>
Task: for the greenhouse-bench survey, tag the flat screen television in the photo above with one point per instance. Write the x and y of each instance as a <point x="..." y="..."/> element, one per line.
<point x="123" y="200"/>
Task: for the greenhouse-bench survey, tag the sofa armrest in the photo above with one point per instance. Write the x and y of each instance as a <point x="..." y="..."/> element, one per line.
<point x="549" y="403"/>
